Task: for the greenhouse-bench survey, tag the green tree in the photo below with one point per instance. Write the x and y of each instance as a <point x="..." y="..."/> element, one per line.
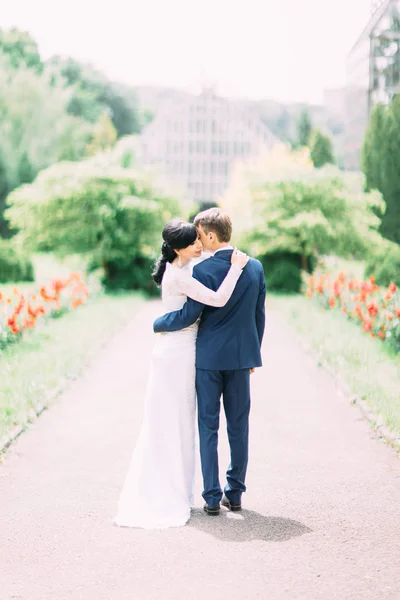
<point x="35" y="129"/>
<point x="304" y="128"/>
<point x="114" y="215"/>
<point x="104" y="136"/>
<point x="372" y="161"/>
<point x="53" y="111"/>
<point x="321" y="150"/>
<point x="380" y="163"/>
<point x="93" y="94"/>
<point x="282" y="205"/>
<point x="21" y="49"/>
<point x="390" y="173"/>
<point x="4" y="189"/>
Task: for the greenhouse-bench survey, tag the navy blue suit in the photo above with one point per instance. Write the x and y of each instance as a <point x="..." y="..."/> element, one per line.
<point x="228" y="345"/>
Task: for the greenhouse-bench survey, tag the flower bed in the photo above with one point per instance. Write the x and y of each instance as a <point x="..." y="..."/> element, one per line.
<point x="21" y="311"/>
<point x="376" y="309"/>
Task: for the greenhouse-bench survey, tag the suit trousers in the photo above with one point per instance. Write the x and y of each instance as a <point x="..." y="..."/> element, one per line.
<point x="234" y="387"/>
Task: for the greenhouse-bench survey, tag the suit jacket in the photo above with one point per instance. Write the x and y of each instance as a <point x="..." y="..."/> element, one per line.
<point x="230" y="337"/>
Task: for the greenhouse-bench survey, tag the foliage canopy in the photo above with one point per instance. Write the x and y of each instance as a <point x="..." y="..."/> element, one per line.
<point x="98" y="208"/>
<point x="282" y="204"/>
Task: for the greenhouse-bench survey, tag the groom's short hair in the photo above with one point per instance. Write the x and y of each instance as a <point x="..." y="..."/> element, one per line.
<point x="217" y="221"/>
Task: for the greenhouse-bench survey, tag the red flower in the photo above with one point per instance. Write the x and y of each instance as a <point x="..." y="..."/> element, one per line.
<point x="367" y="325"/>
<point x="372" y="309"/>
<point x="358" y="311"/>
<point x="336" y="288"/>
<point x="13" y="325"/>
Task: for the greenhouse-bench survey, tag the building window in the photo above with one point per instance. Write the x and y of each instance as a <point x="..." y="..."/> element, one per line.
<point x="199" y="146"/>
<point x="214" y="148"/>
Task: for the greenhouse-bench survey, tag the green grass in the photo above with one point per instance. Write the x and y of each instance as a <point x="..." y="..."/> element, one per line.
<point x="368" y="367"/>
<point x="34" y="369"/>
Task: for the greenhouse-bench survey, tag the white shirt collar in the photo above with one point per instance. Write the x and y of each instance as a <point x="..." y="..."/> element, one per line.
<point x="227" y="247"/>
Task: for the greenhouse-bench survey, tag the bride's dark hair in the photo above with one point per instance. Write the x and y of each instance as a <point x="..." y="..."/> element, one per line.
<point x="177" y="235"/>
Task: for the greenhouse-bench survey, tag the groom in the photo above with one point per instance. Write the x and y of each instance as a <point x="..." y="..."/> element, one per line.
<point x="227" y="350"/>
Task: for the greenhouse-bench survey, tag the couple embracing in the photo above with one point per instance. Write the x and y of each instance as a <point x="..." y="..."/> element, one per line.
<point x="207" y="345"/>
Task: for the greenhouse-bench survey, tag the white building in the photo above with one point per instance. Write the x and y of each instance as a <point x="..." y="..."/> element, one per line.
<point x="198" y="139"/>
<point x="373" y="74"/>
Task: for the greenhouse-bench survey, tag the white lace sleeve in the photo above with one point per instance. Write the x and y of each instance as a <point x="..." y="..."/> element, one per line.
<point x="197" y="291"/>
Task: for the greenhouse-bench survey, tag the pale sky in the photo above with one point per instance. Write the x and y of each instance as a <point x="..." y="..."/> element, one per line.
<point x="289" y="50"/>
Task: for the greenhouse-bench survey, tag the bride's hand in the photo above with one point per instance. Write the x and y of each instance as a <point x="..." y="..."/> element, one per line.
<point x="239" y="258"/>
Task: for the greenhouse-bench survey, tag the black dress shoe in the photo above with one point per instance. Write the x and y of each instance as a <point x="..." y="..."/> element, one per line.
<point x="213" y="511"/>
<point x="229" y="505"/>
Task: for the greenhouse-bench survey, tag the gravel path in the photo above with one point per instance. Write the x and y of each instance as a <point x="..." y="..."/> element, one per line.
<point x="322" y="511"/>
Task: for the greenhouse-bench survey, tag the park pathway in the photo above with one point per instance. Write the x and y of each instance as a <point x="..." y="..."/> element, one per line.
<point x="322" y="516"/>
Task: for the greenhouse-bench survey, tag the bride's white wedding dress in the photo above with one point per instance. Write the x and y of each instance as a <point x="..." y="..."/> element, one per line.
<point x="158" y="489"/>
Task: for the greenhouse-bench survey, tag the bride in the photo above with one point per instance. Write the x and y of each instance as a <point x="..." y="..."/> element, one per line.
<point x="158" y="489"/>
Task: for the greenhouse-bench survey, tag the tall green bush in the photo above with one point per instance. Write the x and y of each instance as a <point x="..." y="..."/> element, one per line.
<point x="380" y="163"/>
<point x="384" y="263"/>
<point x="282" y="271"/>
<point x="321" y="150"/>
<point x="304" y="128"/>
<point x="14" y="265"/>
